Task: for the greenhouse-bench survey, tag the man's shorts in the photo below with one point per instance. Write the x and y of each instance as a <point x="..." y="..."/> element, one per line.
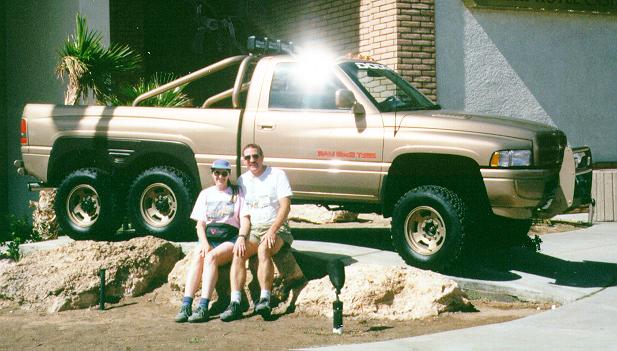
<point x="258" y="232"/>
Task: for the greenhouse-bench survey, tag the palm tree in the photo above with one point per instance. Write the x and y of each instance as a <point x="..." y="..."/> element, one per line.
<point x="171" y="98"/>
<point x="90" y="66"/>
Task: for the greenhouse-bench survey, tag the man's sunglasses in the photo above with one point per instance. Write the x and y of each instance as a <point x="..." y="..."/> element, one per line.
<point x="253" y="156"/>
<point x="220" y="173"/>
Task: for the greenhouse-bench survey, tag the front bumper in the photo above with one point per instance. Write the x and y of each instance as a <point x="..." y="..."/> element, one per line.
<point x="541" y="193"/>
<point x="583" y="182"/>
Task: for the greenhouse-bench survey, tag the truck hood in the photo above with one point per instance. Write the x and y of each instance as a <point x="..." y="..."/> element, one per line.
<point x="466" y="122"/>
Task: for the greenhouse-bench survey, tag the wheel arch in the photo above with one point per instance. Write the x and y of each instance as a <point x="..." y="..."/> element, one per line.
<point x="457" y="173"/>
<point x="121" y="157"/>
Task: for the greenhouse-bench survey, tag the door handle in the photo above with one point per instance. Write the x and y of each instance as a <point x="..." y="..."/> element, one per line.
<point x="266" y="126"/>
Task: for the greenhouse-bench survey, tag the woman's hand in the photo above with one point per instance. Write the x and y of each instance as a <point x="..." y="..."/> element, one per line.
<point x="204" y="247"/>
<point x="240" y="247"/>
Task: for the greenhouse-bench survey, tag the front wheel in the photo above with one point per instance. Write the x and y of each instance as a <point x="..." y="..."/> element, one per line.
<point x="85" y="205"/>
<point x="160" y="202"/>
<point x="428" y="227"/>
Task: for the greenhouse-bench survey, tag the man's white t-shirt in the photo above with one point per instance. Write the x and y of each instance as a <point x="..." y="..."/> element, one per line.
<point x="262" y="194"/>
<point x="213" y="205"/>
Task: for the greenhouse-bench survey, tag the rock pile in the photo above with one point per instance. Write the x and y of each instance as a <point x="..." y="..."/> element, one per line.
<point x="67" y="277"/>
<point x="320" y="215"/>
<point x="378" y="292"/>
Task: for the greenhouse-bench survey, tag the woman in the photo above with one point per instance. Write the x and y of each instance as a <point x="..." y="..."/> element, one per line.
<point x="217" y="212"/>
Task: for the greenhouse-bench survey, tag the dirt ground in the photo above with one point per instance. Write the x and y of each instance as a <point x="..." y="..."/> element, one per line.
<point x="146" y="322"/>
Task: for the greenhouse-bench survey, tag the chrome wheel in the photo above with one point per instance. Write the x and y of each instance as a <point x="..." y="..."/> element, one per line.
<point x="83" y="205"/>
<point x="425" y="230"/>
<point x="158" y="205"/>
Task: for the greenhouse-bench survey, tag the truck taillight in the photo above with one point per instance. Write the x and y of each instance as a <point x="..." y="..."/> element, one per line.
<point x="24" y="132"/>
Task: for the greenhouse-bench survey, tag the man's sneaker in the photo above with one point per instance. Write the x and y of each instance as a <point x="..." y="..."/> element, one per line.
<point x="200" y="315"/>
<point x="263" y="308"/>
<point x="183" y="315"/>
<point x="232" y="312"/>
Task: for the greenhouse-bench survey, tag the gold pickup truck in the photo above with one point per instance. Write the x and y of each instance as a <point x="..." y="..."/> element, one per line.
<point x="350" y="134"/>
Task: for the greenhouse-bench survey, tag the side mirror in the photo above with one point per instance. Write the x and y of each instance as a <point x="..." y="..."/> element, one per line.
<point x="345" y="99"/>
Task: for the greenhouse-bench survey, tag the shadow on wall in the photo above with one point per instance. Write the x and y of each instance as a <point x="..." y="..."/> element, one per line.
<point x="547" y="67"/>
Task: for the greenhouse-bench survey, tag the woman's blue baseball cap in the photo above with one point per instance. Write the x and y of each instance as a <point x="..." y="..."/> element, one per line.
<point x="221" y="164"/>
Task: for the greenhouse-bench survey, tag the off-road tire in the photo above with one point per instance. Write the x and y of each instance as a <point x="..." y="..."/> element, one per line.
<point x="86" y="207"/>
<point x="428" y="227"/>
<point x="160" y="202"/>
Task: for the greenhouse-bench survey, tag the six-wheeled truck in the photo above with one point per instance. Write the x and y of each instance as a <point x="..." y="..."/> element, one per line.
<point x="350" y="134"/>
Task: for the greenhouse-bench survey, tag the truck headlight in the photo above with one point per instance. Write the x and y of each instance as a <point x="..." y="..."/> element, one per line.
<point x="511" y="158"/>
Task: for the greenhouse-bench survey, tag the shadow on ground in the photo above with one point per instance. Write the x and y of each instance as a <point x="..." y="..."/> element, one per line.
<point x="376" y="238"/>
<point x="493" y="263"/>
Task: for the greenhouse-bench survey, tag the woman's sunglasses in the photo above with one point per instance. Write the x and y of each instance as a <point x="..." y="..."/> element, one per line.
<point x="220" y="173"/>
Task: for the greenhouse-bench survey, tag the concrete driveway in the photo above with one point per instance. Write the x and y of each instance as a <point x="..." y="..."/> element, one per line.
<point x="578" y="269"/>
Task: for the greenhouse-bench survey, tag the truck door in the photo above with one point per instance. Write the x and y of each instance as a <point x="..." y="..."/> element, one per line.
<point x="326" y="152"/>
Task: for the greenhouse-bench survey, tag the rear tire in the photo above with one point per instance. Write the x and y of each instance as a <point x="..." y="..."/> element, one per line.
<point x="160" y="203"/>
<point x="428" y="227"/>
<point x="85" y="205"/>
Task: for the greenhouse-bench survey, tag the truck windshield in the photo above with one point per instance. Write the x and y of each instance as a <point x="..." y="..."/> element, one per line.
<point x="388" y="91"/>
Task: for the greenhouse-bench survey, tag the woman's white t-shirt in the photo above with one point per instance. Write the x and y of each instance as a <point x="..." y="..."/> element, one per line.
<point x="213" y="205"/>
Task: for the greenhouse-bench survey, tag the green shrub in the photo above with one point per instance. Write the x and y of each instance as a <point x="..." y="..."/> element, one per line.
<point x="19" y="231"/>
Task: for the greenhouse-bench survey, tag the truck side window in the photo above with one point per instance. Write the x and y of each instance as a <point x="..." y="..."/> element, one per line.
<point x="297" y="87"/>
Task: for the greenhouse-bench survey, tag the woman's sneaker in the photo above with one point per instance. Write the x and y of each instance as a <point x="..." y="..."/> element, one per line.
<point x="183" y="315"/>
<point x="201" y="314"/>
<point x="232" y="312"/>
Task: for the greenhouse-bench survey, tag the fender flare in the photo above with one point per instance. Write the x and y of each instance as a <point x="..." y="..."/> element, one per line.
<point x="115" y="155"/>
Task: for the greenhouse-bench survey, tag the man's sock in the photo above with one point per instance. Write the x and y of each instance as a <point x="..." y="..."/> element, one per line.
<point x="236" y="296"/>
<point x="265" y="294"/>
<point x="187" y="301"/>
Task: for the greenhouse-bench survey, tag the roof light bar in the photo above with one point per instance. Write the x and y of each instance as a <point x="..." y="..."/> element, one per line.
<point x="264" y="46"/>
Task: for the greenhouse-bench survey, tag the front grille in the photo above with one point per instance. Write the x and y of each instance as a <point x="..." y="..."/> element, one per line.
<point x="549" y="148"/>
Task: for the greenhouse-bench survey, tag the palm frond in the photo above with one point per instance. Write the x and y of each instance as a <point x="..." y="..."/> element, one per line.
<point x="171" y="98"/>
<point x="89" y="65"/>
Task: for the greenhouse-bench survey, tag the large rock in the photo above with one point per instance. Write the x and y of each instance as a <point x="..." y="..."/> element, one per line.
<point x="378" y="292"/>
<point x="288" y="280"/>
<point x="320" y="215"/>
<point x="67" y="277"/>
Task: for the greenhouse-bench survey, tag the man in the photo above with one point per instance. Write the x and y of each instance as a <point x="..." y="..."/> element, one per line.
<point x="268" y="200"/>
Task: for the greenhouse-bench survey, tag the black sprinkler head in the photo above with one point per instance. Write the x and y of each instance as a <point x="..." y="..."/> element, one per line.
<point x="336" y="272"/>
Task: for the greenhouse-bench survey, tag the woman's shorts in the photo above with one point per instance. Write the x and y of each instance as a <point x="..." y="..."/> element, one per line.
<point x="215" y="243"/>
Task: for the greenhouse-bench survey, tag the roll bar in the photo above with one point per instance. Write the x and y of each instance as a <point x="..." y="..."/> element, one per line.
<point x="215" y="67"/>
